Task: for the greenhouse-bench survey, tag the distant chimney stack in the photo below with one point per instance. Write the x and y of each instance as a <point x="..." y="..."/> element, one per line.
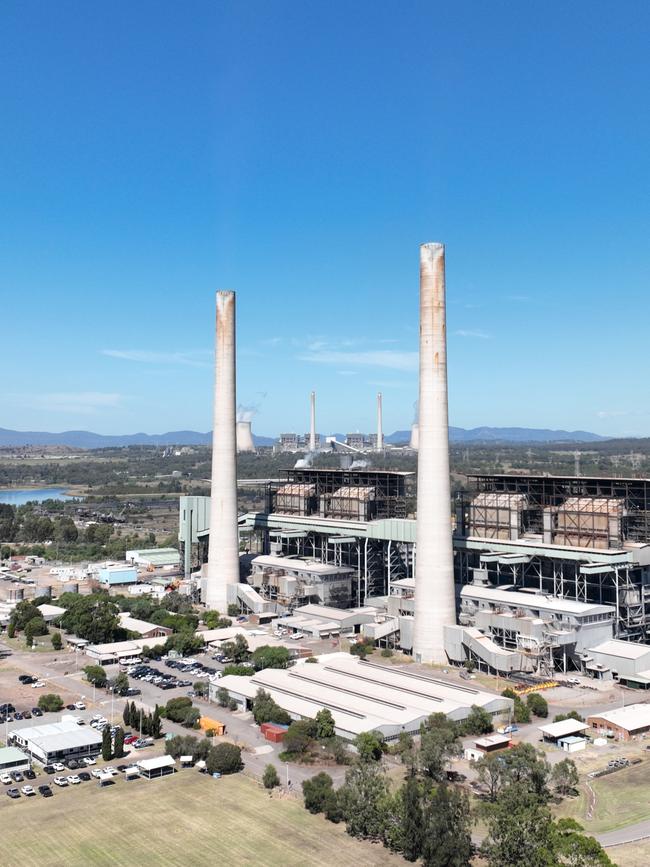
<point x="312" y="423"/>
<point x="380" y="424"/>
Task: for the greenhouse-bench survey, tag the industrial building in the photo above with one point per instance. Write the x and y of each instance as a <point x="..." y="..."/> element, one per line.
<point x="56" y="742"/>
<point x="13" y="759"/>
<point x="114" y="574"/>
<point x="142" y="627"/>
<point x="362" y="696"/>
<point x="153" y="557"/>
<point x="622" y="723"/>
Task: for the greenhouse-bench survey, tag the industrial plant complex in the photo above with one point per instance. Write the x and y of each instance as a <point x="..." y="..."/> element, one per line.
<point x="517" y="573"/>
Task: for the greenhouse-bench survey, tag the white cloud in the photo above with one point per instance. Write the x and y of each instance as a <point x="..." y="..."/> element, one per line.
<point x="191" y="358"/>
<point x="480" y="335"/>
<point x="390" y="358"/>
<point x="612" y="413"/>
<point x="82" y="402"/>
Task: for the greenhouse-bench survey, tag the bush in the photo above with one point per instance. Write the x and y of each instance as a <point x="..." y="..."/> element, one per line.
<point x="299" y="736"/>
<point x="232" y="704"/>
<point x="537" y="705"/>
<point x="233" y="610"/>
<point x="224" y="759"/>
<point x="223" y="697"/>
<point x="270" y="777"/>
<point x="478" y="722"/>
<point x="57" y="642"/>
<point x="242" y="670"/>
<point x="387" y="652"/>
<point x="266" y="710"/>
<point x="50" y="702"/>
<point x="311" y="659"/>
<point x="96" y="674"/>
<point x="319" y="793"/>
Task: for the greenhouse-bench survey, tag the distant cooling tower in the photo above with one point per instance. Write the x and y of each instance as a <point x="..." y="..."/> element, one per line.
<point x="435" y="602"/>
<point x="245" y="441"/>
<point x="223" y="550"/>
<point x="415" y="437"/>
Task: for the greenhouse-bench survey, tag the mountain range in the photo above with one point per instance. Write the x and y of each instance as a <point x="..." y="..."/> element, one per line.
<point x="82" y="439"/>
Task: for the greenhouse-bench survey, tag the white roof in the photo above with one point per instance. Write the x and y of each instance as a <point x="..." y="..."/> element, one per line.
<point x="135" y="625"/>
<point x="625" y="649"/>
<point x="51" y="610"/>
<point x="533" y="600"/>
<point x="632" y="718"/>
<point x="53" y="737"/>
<point x="116" y="648"/>
<point x="492" y="741"/>
<point x="329" y="613"/>
<point x="298" y="565"/>
<point x="562" y="728"/>
<point x="362" y="695"/>
<point x="157" y="762"/>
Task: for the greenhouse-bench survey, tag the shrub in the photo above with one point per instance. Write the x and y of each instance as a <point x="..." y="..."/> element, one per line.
<point x="387" y="652"/>
<point x="223" y="697"/>
<point x="270" y="777"/>
<point x="50" y="702"/>
<point x="537" y="705"/>
<point x="95" y="674"/>
<point x="57" y="642"/>
<point x="224" y="759"/>
<point x="300" y="735"/>
<point x="318" y="793"/>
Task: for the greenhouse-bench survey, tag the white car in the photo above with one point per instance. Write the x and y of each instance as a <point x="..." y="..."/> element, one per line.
<point x="6" y="779"/>
<point x="58" y="766"/>
<point x="60" y="781"/>
<point x="112" y="771"/>
<point x="80" y="705"/>
<point x="38" y="684"/>
<point x="97" y="772"/>
<point x="28" y="790"/>
<point x="88" y="761"/>
<point x="73" y="779"/>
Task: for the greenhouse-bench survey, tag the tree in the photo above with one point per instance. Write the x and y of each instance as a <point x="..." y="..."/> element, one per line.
<point x="270" y="657"/>
<point x="96" y="674"/>
<point x="369" y="746"/>
<point x="223" y="697"/>
<point x="266" y="710"/>
<point x="572" y="714"/>
<point x="201" y="687"/>
<point x="362" y="647"/>
<point x="118" y="747"/>
<point x="156" y="723"/>
<point x="241" y="670"/>
<point x="57" y="642"/>
<point x="404" y="827"/>
<point x="236" y="650"/>
<point x="65" y="530"/>
<point x="519" y="827"/>
<point x="213" y="620"/>
<point x="120" y="684"/>
<point x="299" y="736"/>
<point x="93" y="617"/>
<point x="564" y="777"/>
<point x="50" y="702"/>
<point x="447" y="839"/>
<point x="363" y="800"/>
<point x="270" y="778"/>
<point x="477" y="722"/>
<point x="318" y="793"/>
<point x="233" y="609"/>
<point x="525" y="765"/>
<point x="491" y="772"/>
<point x="224" y="759"/>
<point x="324" y="724"/>
<point x="126" y="715"/>
<point x="24" y="613"/>
<point x="575" y="850"/>
<point x="106" y="744"/>
<point x="537" y="705"/>
<point x="438" y="744"/>
<point x="36" y="626"/>
<point x="191" y="718"/>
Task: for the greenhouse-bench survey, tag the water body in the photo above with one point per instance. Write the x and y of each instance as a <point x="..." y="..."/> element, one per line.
<point x="18" y="497"/>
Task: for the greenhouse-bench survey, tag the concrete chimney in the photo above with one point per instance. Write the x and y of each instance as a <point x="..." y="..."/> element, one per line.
<point x="435" y="604"/>
<point x="380" y="425"/>
<point x="414" y="442"/>
<point x="245" y="441"/>
<point x="223" y="551"/>
<point x="312" y="423"/>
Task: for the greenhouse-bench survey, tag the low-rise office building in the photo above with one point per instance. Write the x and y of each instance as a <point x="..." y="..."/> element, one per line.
<point x="622" y="723"/>
<point x="142" y="627"/>
<point x="57" y="742"/>
<point x="13" y="759"/>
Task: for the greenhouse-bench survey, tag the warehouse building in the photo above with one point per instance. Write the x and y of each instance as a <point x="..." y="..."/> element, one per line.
<point x="107" y="654"/>
<point x="51" y="612"/>
<point x="362" y="696"/>
<point x="622" y="723"/>
<point x="142" y="627"/>
<point x="625" y="661"/>
<point x="113" y="575"/>
<point x="153" y="557"/>
<point x="57" y="742"/>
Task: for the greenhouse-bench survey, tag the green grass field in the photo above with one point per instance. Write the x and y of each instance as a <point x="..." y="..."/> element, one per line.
<point x="622" y="798"/>
<point x="186" y="819"/>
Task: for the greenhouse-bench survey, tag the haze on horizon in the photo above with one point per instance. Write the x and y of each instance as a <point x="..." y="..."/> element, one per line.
<point x="300" y="154"/>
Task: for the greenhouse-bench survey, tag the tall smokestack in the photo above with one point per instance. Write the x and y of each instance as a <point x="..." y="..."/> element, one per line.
<point x="435" y="604"/>
<point x="245" y="442"/>
<point x="380" y="426"/>
<point x="414" y="442"/>
<point x="312" y="423"/>
<point x="223" y="551"/>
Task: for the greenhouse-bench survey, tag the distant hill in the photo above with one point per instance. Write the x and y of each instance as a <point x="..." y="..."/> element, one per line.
<point x="507" y="435"/>
<point x="83" y="439"/>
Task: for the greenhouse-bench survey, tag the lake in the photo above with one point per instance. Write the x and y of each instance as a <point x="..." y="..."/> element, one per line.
<point x="18" y="496"/>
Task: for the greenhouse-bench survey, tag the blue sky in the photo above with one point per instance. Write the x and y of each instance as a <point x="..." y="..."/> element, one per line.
<point x="153" y="152"/>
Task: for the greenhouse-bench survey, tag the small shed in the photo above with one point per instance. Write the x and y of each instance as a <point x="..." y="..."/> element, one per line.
<point x="131" y="773"/>
<point x="572" y="744"/>
<point x="159" y="766"/>
<point x="186" y="761"/>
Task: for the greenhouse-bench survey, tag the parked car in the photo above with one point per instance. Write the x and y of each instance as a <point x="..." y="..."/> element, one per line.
<point x="29" y="774"/>
<point x="45" y="791"/>
<point x="58" y="767"/>
<point x="88" y="761"/>
<point x="79" y="705"/>
<point x="27" y="678"/>
<point x="70" y="707"/>
<point x="141" y="743"/>
<point x="18" y="715"/>
<point x="27" y="714"/>
<point x="74" y="780"/>
<point x="17" y="776"/>
<point x="60" y="781"/>
<point x="49" y="769"/>
<point x="28" y="790"/>
<point x="6" y="779"/>
<point x="72" y="764"/>
<point x="13" y="793"/>
<point x="38" y="684"/>
<point x="84" y="776"/>
<point x="96" y="772"/>
<point x="36" y="711"/>
<point x="131" y="739"/>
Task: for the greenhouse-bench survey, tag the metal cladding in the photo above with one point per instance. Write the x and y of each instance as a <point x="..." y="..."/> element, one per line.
<point x="380" y="426"/>
<point x="312" y="423"/>
<point x="223" y="551"/>
<point x="435" y="605"/>
<point x="415" y="437"/>
<point x="245" y="437"/>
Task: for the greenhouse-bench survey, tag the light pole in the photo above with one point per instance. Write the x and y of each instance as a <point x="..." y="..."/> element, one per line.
<point x="287" y="767"/>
